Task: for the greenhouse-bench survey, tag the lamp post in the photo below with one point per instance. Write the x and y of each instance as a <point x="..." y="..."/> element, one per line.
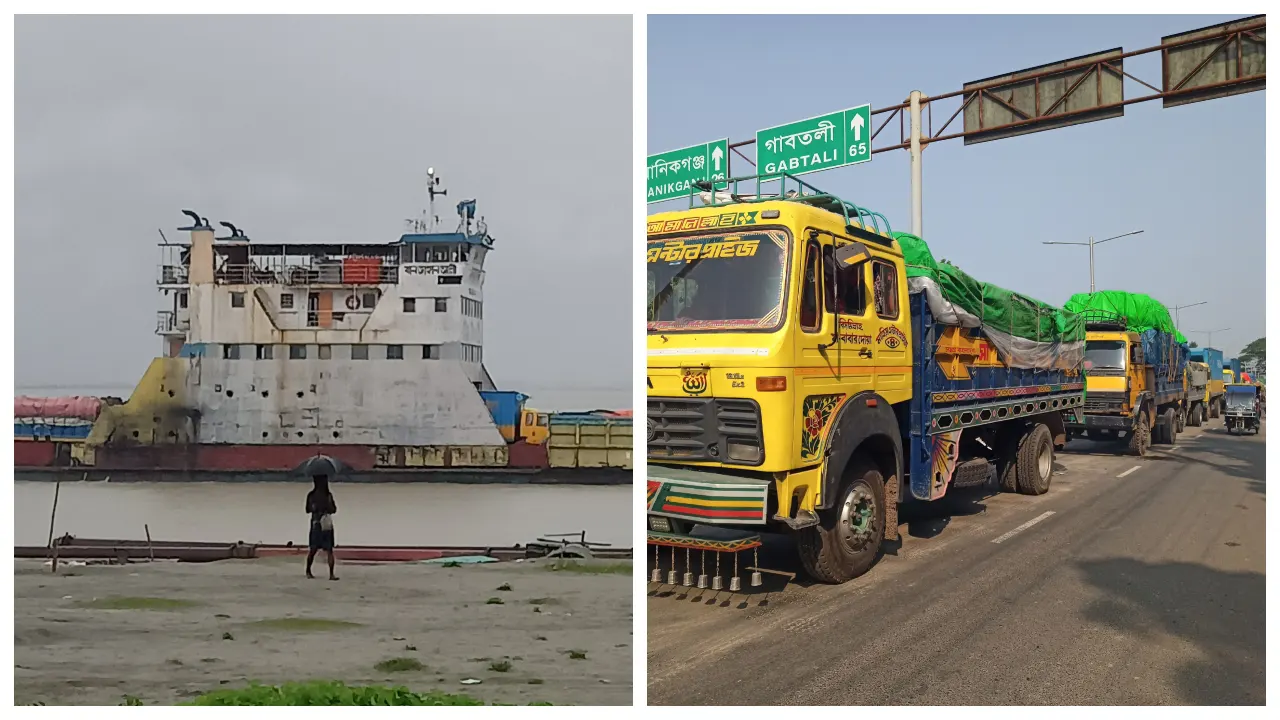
<point x="1090" y="245"/>
<point x="1210" y="333"/>
<point x="1176" y="308"/>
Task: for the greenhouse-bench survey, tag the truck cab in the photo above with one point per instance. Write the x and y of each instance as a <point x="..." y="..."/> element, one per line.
<point x="534" y="426"/>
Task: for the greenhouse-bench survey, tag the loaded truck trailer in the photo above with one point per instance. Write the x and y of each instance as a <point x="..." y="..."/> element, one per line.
<point x="1135" y="363"/>
<point x="1206" y="404"/>
<point x="809" y="370"/>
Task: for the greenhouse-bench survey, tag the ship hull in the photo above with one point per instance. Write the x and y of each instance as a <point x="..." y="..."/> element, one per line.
<point x="43" y="460"/>
<point x="508" y="476"/>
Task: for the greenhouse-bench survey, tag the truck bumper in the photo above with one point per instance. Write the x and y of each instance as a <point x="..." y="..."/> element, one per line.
<point x="706" y="498"/>
<point x="1100" y="422"/>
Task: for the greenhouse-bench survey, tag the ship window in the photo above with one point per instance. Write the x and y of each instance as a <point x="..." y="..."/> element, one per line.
<point x="265" y="352"/>
<point x="410" y="304"/>
<point x="406" y="253"/>
<point x="182" y="300"/>
<point x="237" y="299"/>
<point x="809" y="290"/>
<point x="422" y="253"/>
<point x="359" y="352"/>
<point x="395" y="352"/>
<point x="440" y="254"/>
<point x="454" y="255"/>
<point x="442" y="304"/>
<point x="325" y="352"/>
<point x="230" y="352"/>
<point x="286" y="301"/>
<point x="884" y="276"/>
<point x="430" y="352"/>
<point x="450" y="280"/>
<point x="297" y="352"/>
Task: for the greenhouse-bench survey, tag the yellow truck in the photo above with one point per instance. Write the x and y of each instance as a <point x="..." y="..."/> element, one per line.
<point x="799" y="383"/>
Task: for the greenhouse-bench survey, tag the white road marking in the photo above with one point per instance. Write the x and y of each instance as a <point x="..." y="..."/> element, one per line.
<point x="1022" y="527"/>
<point x="1130" y="470"/>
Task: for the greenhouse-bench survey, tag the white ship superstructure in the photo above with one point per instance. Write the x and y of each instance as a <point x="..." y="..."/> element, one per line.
<point x="332" y="343"/>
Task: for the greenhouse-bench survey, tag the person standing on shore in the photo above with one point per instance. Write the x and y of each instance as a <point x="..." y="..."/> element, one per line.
<point x="321" y="506"/>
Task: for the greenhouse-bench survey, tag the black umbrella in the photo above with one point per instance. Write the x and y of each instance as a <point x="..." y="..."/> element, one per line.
<point x="322" y="465"/>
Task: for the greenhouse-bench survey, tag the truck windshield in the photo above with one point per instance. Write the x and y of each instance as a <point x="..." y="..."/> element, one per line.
<point x="731" y="281"/>
<point x="1104" y="354"/>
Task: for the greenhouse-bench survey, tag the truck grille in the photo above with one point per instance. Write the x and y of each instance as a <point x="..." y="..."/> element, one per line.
<point x="1104" y="402"/>
<point x="700" y="429"/>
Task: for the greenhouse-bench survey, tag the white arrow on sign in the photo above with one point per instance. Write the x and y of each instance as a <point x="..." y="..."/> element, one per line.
<point x="716" y="155"/>
<point x="856" y="125"/>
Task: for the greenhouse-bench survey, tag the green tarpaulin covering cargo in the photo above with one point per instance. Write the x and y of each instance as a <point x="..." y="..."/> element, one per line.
<point x="1140" y="312"/>
<point x="1027" y="332"/>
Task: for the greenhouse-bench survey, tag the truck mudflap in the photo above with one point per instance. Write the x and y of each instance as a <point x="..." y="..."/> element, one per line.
<point x="707" y="498"/>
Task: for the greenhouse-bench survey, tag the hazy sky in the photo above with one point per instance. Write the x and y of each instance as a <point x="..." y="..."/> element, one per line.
<point x="1192" y="177"/>
<point x="322" y="129"/>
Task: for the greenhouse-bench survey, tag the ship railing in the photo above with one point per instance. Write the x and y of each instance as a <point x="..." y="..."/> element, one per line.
<point x="169" y="323"/>
<point x="304" y="273"/>
<point x="172" y="275"/>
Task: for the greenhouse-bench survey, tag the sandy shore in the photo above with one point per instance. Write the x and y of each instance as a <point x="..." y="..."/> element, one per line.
<point x="68" y="650"/>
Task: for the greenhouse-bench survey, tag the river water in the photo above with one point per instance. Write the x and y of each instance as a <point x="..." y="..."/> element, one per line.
<point x="368" y="514"/>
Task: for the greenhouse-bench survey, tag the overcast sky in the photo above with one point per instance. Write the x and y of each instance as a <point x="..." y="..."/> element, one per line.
<point x="322" y="129"/>
<point x="1192" y="177"/>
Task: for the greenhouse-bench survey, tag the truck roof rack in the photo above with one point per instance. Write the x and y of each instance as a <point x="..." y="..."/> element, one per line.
<point x="868" y="221"/>
<point x="1095" y="319"/>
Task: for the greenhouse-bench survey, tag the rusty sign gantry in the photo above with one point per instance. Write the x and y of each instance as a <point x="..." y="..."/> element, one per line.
<point x="1218" y="61"/>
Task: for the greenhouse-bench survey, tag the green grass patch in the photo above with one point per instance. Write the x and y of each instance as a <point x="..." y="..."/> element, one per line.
<point x="329" y="693"/>
<point x="400" y="664"/>
<point x="137" y="603"/>
<point x="303" y="624"/>
<point x="494" y="601"/>
<point x="577" y="654"/>
<point x="500" y="666"/>
<point x="592" y="568"/>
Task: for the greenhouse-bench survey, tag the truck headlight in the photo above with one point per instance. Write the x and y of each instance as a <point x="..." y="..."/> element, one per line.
<point x="743" y="451"/>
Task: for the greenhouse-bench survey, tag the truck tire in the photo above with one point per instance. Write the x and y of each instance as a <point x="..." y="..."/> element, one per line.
<point x="1035" y="461"/>
<point x="1140" y="437"/>
<point x="1168" y="427"/>
<point x="846" y="541"/>
<point x="1010" y="443"/>
<point x="1182" y="421"/>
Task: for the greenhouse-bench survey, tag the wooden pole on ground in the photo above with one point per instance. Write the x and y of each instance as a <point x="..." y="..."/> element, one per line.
<point x="151" y="554"/>
<point x="53" y="549"/>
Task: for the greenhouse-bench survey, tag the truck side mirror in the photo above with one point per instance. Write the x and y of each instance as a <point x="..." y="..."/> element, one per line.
<point x="1135" y="351"/>
<point x="851" y="254"/>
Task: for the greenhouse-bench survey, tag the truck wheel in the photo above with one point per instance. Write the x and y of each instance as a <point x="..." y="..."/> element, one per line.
<point x="1010" y="443"/>
<point x="1140" y="437"/>
<point x="1035" y="461"/>
<point x="1182" y="421"/>
<point x="1169" y="427"/>
<point x="846" y="541"/>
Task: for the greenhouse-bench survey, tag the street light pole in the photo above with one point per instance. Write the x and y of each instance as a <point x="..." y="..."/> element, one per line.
<point x="1176" y="319"/>
<point x="1090" y="245"/>
<point x="1210" y="333"/>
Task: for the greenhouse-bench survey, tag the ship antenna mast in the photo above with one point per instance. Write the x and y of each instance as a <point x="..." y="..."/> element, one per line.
<point x="433" y="189"/>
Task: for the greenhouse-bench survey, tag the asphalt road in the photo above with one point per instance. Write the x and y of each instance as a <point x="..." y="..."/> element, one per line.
<point x="1146" y="589"/>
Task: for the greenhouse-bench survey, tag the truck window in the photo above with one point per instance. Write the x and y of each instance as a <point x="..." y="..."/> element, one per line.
<point x="717" y="282"/>
<point x="1104" y="354"/>
<point x="885" y="281"/>
<point x="809" y="292"/>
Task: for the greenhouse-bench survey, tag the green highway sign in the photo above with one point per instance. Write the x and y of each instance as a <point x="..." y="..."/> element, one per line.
<point x="821" y="143"/>
<point x="671" y="173"/>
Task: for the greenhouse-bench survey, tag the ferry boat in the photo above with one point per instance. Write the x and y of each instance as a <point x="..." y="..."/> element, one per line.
<point x="371" y="353"/>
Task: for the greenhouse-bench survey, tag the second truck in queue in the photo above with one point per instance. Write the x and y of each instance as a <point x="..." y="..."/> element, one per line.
<point x="1135" y="363"/>
<point x="808" y="370"/>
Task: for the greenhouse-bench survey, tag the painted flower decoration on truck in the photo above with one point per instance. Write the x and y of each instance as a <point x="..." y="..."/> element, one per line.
<point x="816" y="414"/>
